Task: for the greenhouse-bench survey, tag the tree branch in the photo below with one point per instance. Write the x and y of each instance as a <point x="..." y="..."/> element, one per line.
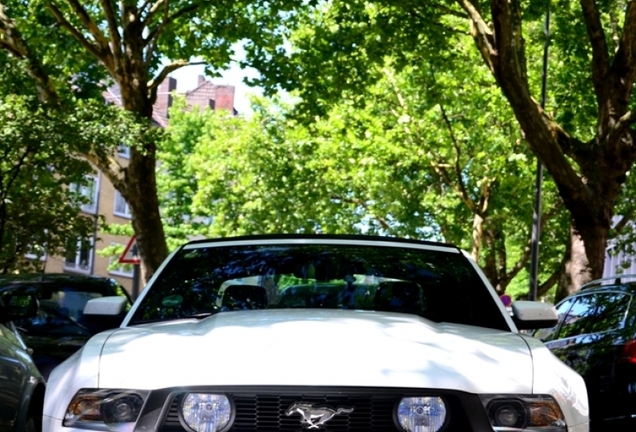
<point x="156" y="32"/>
<point x="619" y="127"/>
<point x="88" y="45"/>
<point x="113" y="30"/>
<point x="11" y="40"/>
<point x="553" y="279"/>
<point x="88" y="23"/>
<point x="482" y="34"/>
<point x="154" y="83"/>
<point x="112" y="169"/>
<point x="600" y="54"/>
<point x="449" y="11"/>
<point x="506" y="59"/>
<point x="154" y="8"/>
<point x="428" y="21"/>
<point x="624" y="64"/>
<point x="460" y="182"/>
<point x="152" y="39"/>
<point x="522" y="262"/>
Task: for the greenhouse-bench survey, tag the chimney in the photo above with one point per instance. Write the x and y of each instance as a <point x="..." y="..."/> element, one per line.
<point x="224" y="98"/>
<point x="201" y="80"/>
<point x="164" y="96"/>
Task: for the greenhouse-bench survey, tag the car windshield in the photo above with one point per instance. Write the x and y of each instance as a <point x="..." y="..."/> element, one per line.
<point x="439" y="285"/>
<point x="67" y="296"/>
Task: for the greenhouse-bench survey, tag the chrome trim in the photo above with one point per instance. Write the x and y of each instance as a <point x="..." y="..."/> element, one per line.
<point x="314" y="417"/>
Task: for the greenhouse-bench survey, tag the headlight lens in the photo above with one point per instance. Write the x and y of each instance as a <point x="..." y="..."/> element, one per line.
<point x="204" y="412"/>
<point x="421" y="414"/>
<point x="521" y="413"/>
<point x="105" y="409"/>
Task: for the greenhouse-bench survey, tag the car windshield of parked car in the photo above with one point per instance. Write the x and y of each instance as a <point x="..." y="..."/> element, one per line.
<point x="67" y="296"/>
<point x="438" y="285"/>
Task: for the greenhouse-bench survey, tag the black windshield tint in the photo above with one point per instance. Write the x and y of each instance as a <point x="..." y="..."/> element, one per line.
<point x="441" y="286"/>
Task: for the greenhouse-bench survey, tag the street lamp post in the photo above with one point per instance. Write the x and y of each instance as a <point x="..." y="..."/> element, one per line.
<point x="536" y="215"/>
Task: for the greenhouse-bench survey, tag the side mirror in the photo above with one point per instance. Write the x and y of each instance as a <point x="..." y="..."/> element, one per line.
<point x="114" y="305"/>
<point x="104" y="313"/>
<point x="18" y="306"/>
<point x="531" y="315"/>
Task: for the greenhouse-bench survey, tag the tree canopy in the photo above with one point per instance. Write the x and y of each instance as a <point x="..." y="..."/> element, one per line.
<point x="86" y="45"/>
<point x="584" y="137"/>
<point x="38" y="205"/>
<point x="410" y="162"/>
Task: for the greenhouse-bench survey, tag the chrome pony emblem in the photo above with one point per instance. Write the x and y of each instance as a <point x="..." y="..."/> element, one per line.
<point x="313" y="417"/>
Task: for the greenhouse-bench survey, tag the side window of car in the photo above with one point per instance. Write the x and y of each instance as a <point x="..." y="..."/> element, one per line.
<point x="611" y="311"/>
<point x="547" y="334"/>
<point x="579" y="318"/>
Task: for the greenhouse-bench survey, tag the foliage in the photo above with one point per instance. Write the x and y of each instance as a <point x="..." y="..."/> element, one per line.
<point x="408" y="163"/>
<point x="43" y="172"/>
<point x="38" y="211"/>
<point x="584" y="137"/>
<point x="131" y="47"/>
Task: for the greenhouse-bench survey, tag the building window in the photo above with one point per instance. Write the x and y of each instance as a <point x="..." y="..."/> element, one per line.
<point x="124" y="151"/>
<point x="121" y="206"/>
<point x="114" y="268"/>
<point x="87" y="194"/>
<point x="79" y="255"/>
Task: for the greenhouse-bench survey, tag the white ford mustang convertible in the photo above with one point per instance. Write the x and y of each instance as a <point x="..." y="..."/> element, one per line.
<point x="317" y="332"/>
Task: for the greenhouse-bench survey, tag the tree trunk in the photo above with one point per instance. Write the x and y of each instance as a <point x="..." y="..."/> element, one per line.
<point x="139" y="186"/>
<point x="589" y="174"/>
<point x="146" y="220"/>
<point x="577" y="268"/>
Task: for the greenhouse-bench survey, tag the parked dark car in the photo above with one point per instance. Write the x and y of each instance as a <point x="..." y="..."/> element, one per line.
<point x="21" y="385"/>
<point x="60" y="327"/>
<point x="596" y="336"/>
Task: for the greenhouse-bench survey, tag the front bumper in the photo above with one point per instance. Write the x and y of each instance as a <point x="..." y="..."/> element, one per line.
<point x="263" y="409"/>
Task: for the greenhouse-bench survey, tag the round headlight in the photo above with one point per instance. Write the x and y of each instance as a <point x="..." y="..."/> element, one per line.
<point x="204" y="412"/>
<point x="421" y="414"/>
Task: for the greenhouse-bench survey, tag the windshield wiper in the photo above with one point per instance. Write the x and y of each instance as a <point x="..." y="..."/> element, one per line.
<point x="198" y="316"/>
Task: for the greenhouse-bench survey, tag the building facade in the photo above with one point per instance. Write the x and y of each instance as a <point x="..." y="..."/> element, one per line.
<point x="105" y="201"/>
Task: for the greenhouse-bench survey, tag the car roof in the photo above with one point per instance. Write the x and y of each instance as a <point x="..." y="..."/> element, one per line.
<point x="318" y="237"/>
<point x="624" y="282"/>
<point x="52" y="278"/>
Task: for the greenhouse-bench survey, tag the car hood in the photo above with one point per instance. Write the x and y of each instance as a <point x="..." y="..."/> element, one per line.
<point x="316" y="348"/>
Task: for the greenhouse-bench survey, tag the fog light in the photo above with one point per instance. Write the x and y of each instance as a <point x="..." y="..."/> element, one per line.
<point x="204" y="412"/>
<point x="509" y="414"/>
<point x="123" y="408"/>
<point x="421" y="414"/>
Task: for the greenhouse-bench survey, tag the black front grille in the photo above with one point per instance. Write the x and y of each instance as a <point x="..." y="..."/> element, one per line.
<point x="266" y="411"/>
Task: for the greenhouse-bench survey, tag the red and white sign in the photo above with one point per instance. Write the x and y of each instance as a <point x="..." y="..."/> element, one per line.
<point x="131" y="253"/>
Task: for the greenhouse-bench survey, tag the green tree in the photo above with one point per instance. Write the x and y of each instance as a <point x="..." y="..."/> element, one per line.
<point x="584" y="138"/>
<point x="355" y="170"/>
<point x="39" y="210"/>
<point x="125" y="43"/>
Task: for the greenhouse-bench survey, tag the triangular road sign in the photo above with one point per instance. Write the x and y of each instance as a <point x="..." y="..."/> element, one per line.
<point x="131" y="253"/>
